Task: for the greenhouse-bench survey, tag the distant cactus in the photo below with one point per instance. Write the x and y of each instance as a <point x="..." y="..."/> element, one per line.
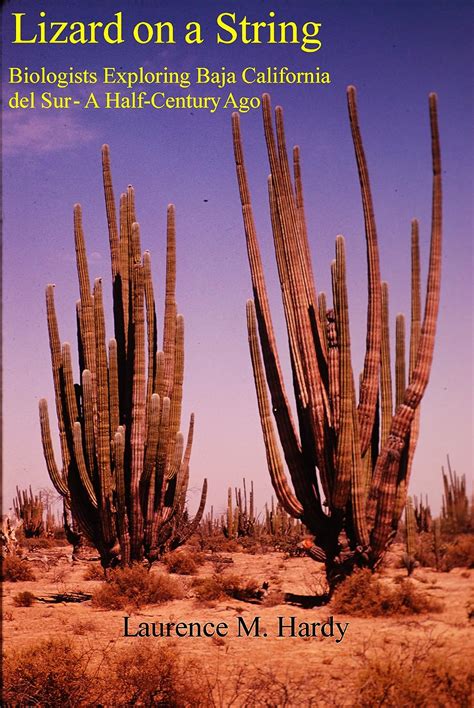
<point x="423" y="516"/>
<point x="349" y="471"/>
<point x="411" y="536"/>
<point x="125" y="467"/>
<point x="456" y="512"/>
<point x="29" y="509"/>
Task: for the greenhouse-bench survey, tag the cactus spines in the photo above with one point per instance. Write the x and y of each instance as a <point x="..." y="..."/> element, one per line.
<point x="350" y="461"/>
<point x="123" y="473"/>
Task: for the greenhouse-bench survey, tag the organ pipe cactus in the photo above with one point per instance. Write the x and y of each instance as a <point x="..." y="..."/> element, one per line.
<point x="29" y="509"/>
<point x="125" y="467"/>
<point x="349" y="462"/>
<point x="456" y="516"/>
<point x="409" y="558"/>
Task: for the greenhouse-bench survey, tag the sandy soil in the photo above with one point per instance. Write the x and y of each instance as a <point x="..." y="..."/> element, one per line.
<point x="334" y="661"/>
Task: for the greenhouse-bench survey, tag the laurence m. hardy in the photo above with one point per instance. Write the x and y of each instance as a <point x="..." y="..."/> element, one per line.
<point x="279" y="626"/>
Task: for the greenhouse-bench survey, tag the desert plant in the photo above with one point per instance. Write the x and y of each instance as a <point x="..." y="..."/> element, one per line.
<point x="364" y="595"/>
<point x="51" y="673"/>
<point x="458" y="553"/>
<point x="349" y="473"/>
<point x="134" y="586"/>
<point x="23" y="599"/>
<point x="219" y="585"/>
<point x="15" y="569"/>
<point x="124" y="474"/>
<point x="29" y="509"/>
<point x="456" y="514"/>
<point x="241" y="523"/>
<point x="94" y="572"/>
<point x="169" y="680"/>
<point x="8" y="537"/>
<point x="424" y="520"/>
<point x="183" y="563"/>
<point x="411" y="537"/>
<point x="424" y="674"/>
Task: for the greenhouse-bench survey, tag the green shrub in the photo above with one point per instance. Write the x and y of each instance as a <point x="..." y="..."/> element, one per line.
<point x="24" y="599"/>
<point x="364" y="595"/>
<point x="14" y="569"/>
<point x="135" y="587"/>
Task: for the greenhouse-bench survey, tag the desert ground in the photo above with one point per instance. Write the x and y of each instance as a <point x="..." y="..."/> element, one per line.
<point x="289" y="670"/>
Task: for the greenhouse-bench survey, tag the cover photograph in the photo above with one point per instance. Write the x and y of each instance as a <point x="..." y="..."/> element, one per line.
<point x="236" y="318"/>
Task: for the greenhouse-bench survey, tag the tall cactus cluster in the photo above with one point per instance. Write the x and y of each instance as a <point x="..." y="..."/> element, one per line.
<point x="240" y="519"/>
<point x="28" y="509"/>
<point x="349" y="461"/>
<point x="124" y="463"/>
<point x="457" y="514"/>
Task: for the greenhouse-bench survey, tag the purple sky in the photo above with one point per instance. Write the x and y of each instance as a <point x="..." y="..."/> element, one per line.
<point x="395" y="53"/>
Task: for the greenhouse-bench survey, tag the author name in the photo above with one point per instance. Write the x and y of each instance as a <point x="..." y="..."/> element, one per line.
<point x="242" y="627"/>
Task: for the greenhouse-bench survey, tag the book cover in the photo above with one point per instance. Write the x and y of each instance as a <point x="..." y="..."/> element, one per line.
<point x="233" y="472"/>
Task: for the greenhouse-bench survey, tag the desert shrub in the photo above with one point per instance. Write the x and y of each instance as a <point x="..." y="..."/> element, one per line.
<point x="454" y="552"/>
<point x="94" y="571"/>
<point x="459" y="553"/>
<point x="135" y="587"/>
<point x="218" y="586"/>
<point x="23" y="599"/>
<point x="238" y="588"/>
<point x="219" y="544"/>
<point x="14" y="569"/>
<point x="424" y="676"/>
<point x="364" y="595"/>
<point x="167" y="681"/>
<point x="208" y="588"/>
<point x="83" y="627"/>
<point x="183" y="563"/>
<point x="50" y="674"/>
<point x="425" y="553"/>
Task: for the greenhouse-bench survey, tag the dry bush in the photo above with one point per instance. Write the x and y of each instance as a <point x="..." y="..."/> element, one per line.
<point x="167" y="681"/>
<point x="238" y="588"/>
<point x="23" y="599"/>
<point x="425" y="553"/>
<point x="50" y="674"/>
<point x="83" y="627"/>
<point x="364" y="595"/>
<point x="424" y="675"/>
<point x="183" y="563"/>
<point x="135" y="587"/>
<point x="219" y="544"/>
<point x="216" y="587"/>
<point x="459" y="553"/>
<point x="14" y="569"/>
<point x="208" y="588"/>
<point x="94" y="571"/>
